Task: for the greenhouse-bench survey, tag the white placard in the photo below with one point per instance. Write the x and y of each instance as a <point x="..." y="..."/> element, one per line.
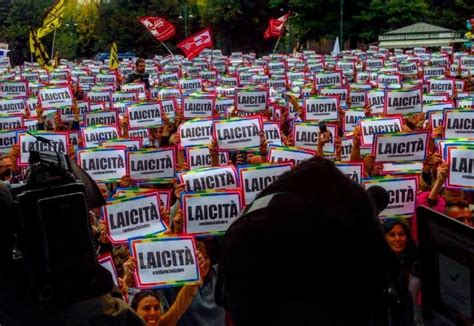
<point x="144" y="115"/>
<point x="372" y="126"/>
<point x="318" y="108"/>
<point x="459" y="123"/>
<point x="152" y="164"/>
<point x="237" y="133"/>
<point x="195" y="132"/>
<point x="58" y="142"/>
<point x="401" y="147"/>
<point x="93" y="136"/>
<point x="223" y="177"/>
<point x="55" y="97"/>
<point x="251" y="100"/>
<point x="198" y="107"/>
<point x="103" y="164"/>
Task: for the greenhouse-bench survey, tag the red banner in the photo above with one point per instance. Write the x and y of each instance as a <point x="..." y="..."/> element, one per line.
<point x="194" y="45"/>
<point x="276" y="26"/>
<point x="159" y="27"/>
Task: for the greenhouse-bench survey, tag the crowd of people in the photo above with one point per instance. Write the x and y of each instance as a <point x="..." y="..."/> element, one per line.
<point x="291" y="84"/>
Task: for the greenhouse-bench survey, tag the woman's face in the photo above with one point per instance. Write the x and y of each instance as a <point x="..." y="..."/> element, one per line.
<point x="397" y="239"/>
<point x="149" y="310"/>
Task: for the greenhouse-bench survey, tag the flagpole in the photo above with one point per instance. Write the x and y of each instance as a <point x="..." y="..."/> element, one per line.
<point x="52" y="47"/>
<point x="164" y="45"/>
<point x="276" y="45"/>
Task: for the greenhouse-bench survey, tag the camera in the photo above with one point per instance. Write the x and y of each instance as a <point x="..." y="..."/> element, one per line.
<point x="49" y="240"/>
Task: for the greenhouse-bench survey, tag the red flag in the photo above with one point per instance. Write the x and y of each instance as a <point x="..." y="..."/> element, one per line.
<point x="194" y="45"/>
<point x="276" y="27"/>
<point x="159" y="27"/>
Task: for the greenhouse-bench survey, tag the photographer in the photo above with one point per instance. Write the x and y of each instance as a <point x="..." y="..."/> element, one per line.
<point x="139" y="75"/>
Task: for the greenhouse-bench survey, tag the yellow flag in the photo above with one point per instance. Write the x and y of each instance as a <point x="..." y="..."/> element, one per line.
<point x="52" y="19"/>
<point x="37" y="48"/>
<point x="114" y="63"/>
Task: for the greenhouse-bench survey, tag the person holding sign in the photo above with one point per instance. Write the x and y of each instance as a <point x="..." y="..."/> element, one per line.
<point x="139" y="75"/>
<point x="147" y="304"/>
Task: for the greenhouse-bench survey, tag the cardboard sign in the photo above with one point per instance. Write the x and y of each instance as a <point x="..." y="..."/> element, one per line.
<point x="165" y="261"/>
<point x="58" y="142"/>
<point x="11" y="121"/>
<point x="401" y="147"/>
<point x="434" y="71"/>
<point x="324" y="79"/>
<point x="190" y="85"/>
<point x="461" y="167"/>
<point x="110" y="78"/>
<point x="106" y="117"/>
<point x="251" y="100"/>
<point x="8" y="138"/>
<point x="402" y="168"/>
<point x="272" y="133"/>
<point x="466" y="103"/>
<point x="318" y="108"/>
<point x="200" y="157"/>
<point x="402" y="195"/>
<point x="198" y="106"/>
<point x="124" y="96"/>
<point x="372" y="126"/>
<point x="306" y="135"/>
<point x="107" y="262"/>
<point x="14" y="88"/>
<point x="138" y="88"/>
<point x="13" y="105"/>
<point x="223" y="177"/>
<point x="207" y="213"/>
<point x="100" y="96"/>
<point x="255" y="178"/>
<point x="401" y="101"/>
<point x="358" y="99"/>
<point x="55" y="97"/>
<point x="195" y="132"/>
<point x="168" y="108"/>
<point x="343" y="93"/>
<point x="144" y="115"/>
<point x="223" y="104"/>
<point x="143" y="134"/>
<point x="458" y="123"/>
<point x="94" y="135"/>
<point x="132" y="144"/>
<point x="376" y="101"/>
<point x="133" y="217"/>
<point x="104" y="164"/>
<point x="354" y="171"/>
<point x="352" y="118"/>
<point x="152" y="164"/>
<point x="443" y="85"/>
<point x="281" y="154"/>
<point x="237" y="133"/>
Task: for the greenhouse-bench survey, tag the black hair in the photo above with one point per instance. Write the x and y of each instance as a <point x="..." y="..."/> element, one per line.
<point x="138" y="61"/>
<point x="142" y="295"/>
<point x="309" y="256"/>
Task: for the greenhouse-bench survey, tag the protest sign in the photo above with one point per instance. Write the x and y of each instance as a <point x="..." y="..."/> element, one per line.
<point x="99" y="96"/>
<point x="93" y="135"/>
<point x="272" y="132"/>
<point x="306" y="135"/>
<point x="398" y="147"/>
<point x="10" y="105"/>
<point x="11" y="121"/>
<point x="434" y="71"/>
<point x="346" y="148"/>
<point x="461" y="167"/>
<point x="133" y="217"/>
<point x="376" y="101"/>
<point x="327" y="78"/>
<point x="168" y="108"/>
<point x="55" y="96"/>
<point x="434" y="98"/>
<point x="358" y="99"/>
<point x="402" y="167"/>
<point x="190" y="85"/>
<point x="152" y="164"/>
<point x="165" y="261"/>
<point x="442" y="85"/>
<point x="222" y="177"/>
<point x="402" y="194"/>
<point x="212" y="212"/>
<point x="354" y="171"/>
<point x="223" y="104"/>
<point x="198" y="106"/>
<point x="8" y="138"/>
<point x="458" y="123"/>
<point x="107" y="262"/>
<point x="200" y="157"/>
<point x="138" y="88"/>
<point x="143" y="134"/>
<point x="251" y="100"/>
<point x="144" y="115"/>
<point x="372" y="126"/>
<point x="318" y="108"/>
<point x="106" y="78"/>
<point x="103" y="117"/>
<point x="13" y="88"/>
<point x="131" y="144"/>
<point x="351" y="119"/>
<point x="465" y="103"/>
<point x="195" y="132"/>
<point x="58" y="142"/>
<point x="237" y="133"/>
<point x="281" y="154"/>
<point x="255" y="178"/>
<point x="124" y="96"/>
<point x="103" y="164"/>
<point x="343" y="93"/>
<point x="403" y="101"/>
